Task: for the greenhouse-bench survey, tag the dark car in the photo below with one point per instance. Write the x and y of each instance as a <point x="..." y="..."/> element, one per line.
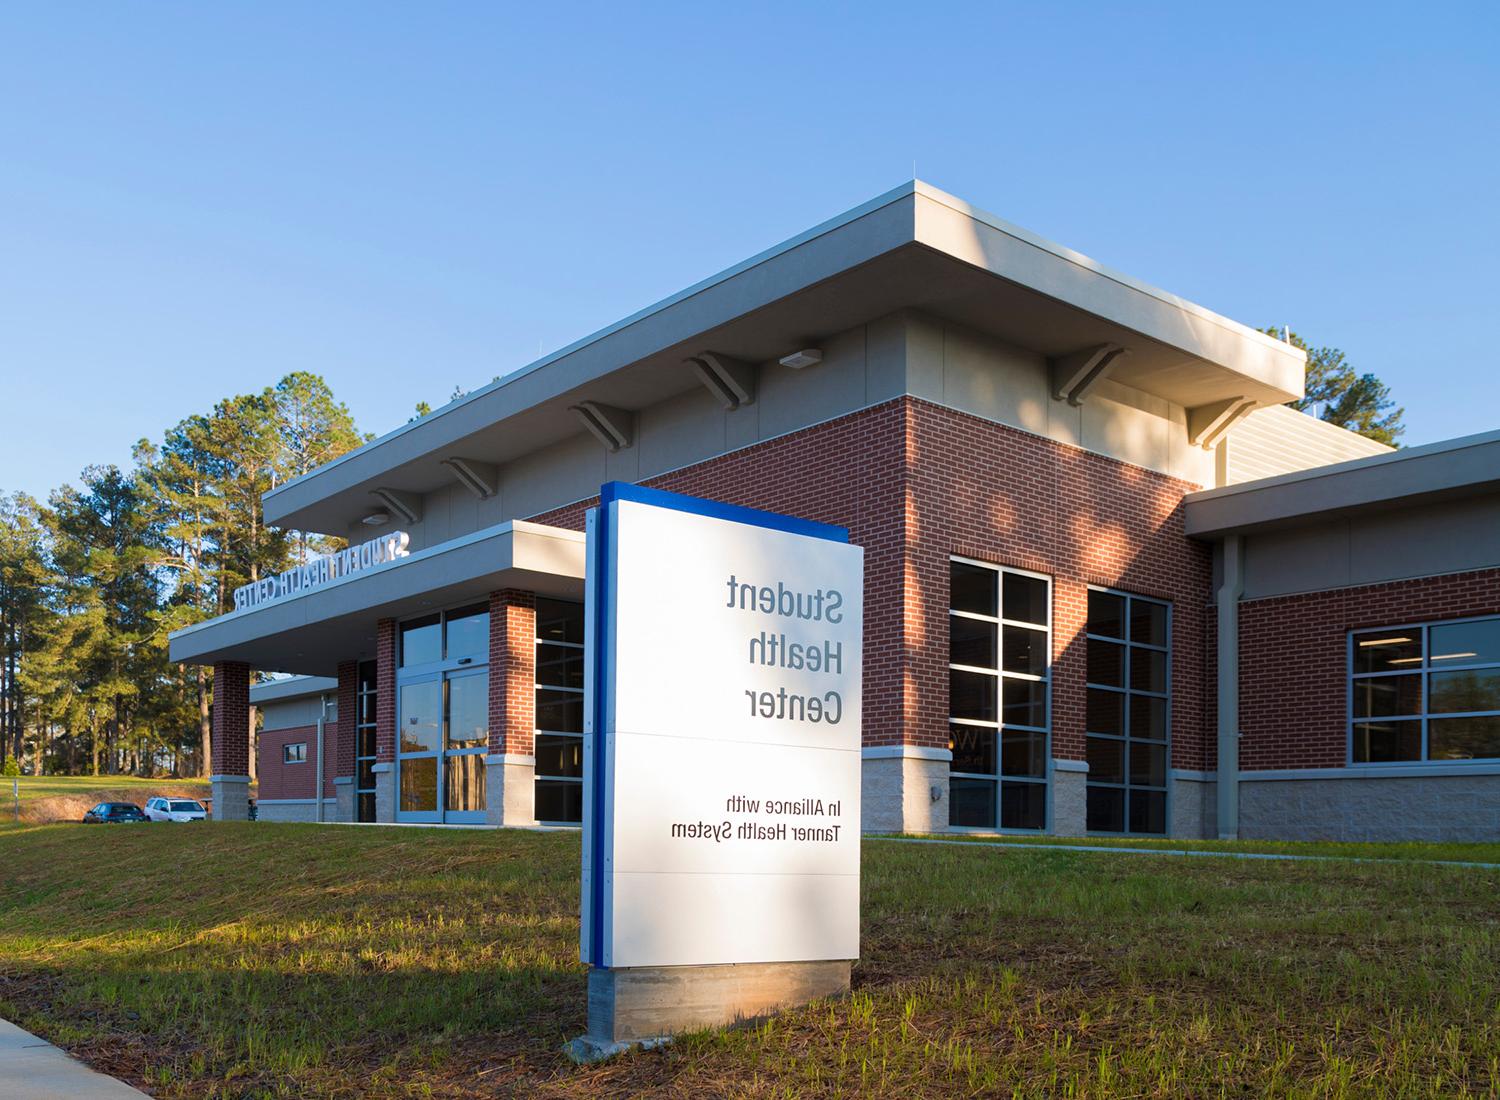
<point x="109" y="812"/>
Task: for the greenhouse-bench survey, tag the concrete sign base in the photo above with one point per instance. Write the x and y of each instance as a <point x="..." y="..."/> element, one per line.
<point x="643" y="1006"/>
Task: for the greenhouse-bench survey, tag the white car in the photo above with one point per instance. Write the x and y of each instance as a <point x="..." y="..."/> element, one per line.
<point x="175" y="809"/>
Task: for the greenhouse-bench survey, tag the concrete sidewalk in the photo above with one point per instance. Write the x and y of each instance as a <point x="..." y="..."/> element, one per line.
<point x="33" y="1069"/>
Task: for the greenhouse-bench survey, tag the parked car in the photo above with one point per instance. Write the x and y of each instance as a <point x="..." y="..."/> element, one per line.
<point x="175" y="809"/>
<point x="107" y="813"/>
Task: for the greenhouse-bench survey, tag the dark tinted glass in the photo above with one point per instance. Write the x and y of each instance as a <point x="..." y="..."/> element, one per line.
<point x="1148" y="717"/>
<point x="1148" y="812"/>
<point x="1106" y="711"/>
<point x="559" y="666"/>
<point x="1023" y="702"/>
<point x="1464" y="643"/>
<point x="1023" y="753"/>
<point x="1023" y="805"/>
<point x="559" y="711"/>
<point x="971" y="695"/>
<point x="469" y="633"/>
<point x="421" y="641"/>
<point x="559" y="621"/>
<point x="366" y="807"/>
<point x="367" y="675"/>
<point x="973" y="749"/>
<point x="559" y="756"/>
<point x="971" y="803"/>
<point x="364" y="775"/>
<point x="1025" y="598"/>
<point x="421" y="716"/>
<point x="1106" y="761"/>
<point x="366" y="715"/>
<point x="1106" y="614"/>
<point x="972" y="588"/>
<point x="1476" y="738"/>
<point x="1387" y="695"/>
<point x="1024" y="650"/>
<point x="1383" y="742"/>
<point x="1148" y="670"/>
<point x="559" y="801"/>
<point x="1148" y="622"/>
<point x="364" y="741"/>
<point x="1106" y="663"/>
<point x="1387" y="650"/>
<point x="1474" y="689"/>
<point x="971" y="642"/>
<point x="1106" y="810"/>
<point x="1148" y="764"/>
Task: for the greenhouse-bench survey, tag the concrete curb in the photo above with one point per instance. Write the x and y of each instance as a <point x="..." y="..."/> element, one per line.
<point x="34" y="1069"/>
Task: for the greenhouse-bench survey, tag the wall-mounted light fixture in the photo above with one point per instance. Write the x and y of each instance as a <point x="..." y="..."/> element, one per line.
<point x="805" y="358"/>
<point x="376" y="519"/>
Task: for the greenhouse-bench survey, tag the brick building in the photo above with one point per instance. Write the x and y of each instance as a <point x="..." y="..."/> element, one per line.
<point x="1113" y="584"/>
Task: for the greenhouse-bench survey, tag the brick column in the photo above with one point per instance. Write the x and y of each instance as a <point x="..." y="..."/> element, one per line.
<point x="385" y="720"/>
<point x="230" y="747"/>
<point x="510" y="766"/>
<point x="341" y="782"/>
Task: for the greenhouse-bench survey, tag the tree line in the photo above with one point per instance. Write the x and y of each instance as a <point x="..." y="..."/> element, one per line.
<point x="94" y="579"/>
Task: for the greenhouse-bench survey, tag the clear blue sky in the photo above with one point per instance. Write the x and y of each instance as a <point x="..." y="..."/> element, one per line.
<point x="197" y="199"/>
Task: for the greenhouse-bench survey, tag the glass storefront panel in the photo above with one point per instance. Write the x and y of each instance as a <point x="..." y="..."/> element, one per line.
<point x="419" y="783"/>
<point x="469" y="711"/>
<point x="463" y="782"/>
<point x="421" y="716"/>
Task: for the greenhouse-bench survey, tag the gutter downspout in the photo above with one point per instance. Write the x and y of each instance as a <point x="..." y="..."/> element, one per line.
<point x="1231" y="588"/>
<point x="318" y="796"/>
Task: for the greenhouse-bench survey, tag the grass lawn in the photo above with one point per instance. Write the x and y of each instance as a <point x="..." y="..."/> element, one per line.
<point x="299" y="961"/>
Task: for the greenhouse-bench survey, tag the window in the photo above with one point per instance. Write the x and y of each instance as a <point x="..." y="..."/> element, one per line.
<point x="1428" y="692"/>
<point x="999" y="664"/>
<point x="1128" y="712"/>
<point x="559" y="711"/>
<point x="461" y="636"/>
<point x="295" y="753"/>
<point x="364" y="742"/>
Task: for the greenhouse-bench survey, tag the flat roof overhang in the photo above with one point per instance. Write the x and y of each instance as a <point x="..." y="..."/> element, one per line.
<point x="912" y="248"/>
<point x="311" y="632"/>
<point x="1449" y="470"/>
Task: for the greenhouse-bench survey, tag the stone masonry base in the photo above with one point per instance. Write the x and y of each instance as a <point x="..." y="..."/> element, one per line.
<point x="1456" y="807"/>
<point x="904" y="789"/>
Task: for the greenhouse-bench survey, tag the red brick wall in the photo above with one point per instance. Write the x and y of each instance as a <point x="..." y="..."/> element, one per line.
<point x="933" y="482"/>
<point x="385" y="690"/>
<point x="279" y="780"/>
<point x="1294" y="659"/>
<point x="342" y="755"/>
<point x="229" y="751"/>
<point x="512" y="672"/>
<point x="998" y="494"/>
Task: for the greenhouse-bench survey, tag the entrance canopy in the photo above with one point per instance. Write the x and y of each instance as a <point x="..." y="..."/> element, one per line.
<point x="311" y="631"/>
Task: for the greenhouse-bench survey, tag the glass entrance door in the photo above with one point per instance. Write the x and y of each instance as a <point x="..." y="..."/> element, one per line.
<point x="442" y="718"/>
<point x="445" y="732"/>
<point x="418" y="749"/>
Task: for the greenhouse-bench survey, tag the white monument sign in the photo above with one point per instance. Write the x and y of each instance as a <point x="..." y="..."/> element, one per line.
<point x="721" y="817"/>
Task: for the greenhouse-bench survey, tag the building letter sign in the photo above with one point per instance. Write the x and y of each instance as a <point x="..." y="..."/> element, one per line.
<point x="721" y="819"/>
<point x="329" y="567"/>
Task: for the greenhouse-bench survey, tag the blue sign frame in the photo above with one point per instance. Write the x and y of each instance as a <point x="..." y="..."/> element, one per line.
<point x="601" y="642"/>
